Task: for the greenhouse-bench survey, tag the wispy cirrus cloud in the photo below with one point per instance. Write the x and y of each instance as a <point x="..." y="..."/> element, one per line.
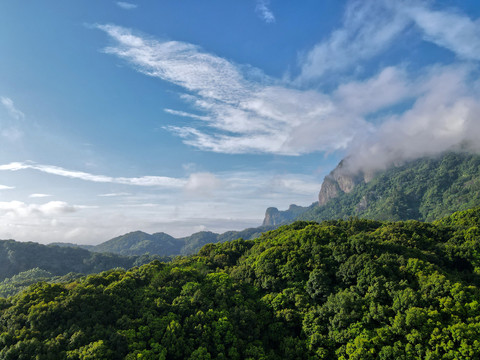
<point x="241" y="115"/>
<point x="160" y="181"/>
<point x="10" y="107"/>
<point x="10" y="129"/>
<point x="114" y="194"/>
<point x="264" y="12"/>
<point x="186" y="114"/>
<point x="126" y="5"/>
<point x="371" y="26"/>
<point x="449" y="29"/>
<point x="198" y="183"/>
<point x="368" y="28"/>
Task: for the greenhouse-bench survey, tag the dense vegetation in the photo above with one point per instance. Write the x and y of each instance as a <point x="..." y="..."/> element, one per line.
<point x="19" y="282"/>
<point x="424" y="189"/>
<point x="17" y="257"/>
<point x="355" y="289"/>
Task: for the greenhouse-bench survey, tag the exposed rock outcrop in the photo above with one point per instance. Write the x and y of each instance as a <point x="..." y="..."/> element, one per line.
<point x="274" y="217"/>
<point x="340" y="180"/>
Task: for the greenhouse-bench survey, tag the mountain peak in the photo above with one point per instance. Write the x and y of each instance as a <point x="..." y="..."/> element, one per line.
<point x="341" y="180"/>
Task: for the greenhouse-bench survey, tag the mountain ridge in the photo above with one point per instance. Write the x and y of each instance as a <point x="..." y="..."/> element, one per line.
<point x="421" y="189"/>
<point x="136" y="243"/>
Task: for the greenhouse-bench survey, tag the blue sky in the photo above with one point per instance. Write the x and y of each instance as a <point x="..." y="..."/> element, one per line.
<point x="181" y="116"/>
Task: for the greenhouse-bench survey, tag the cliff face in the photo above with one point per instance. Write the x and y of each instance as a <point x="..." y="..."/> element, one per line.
<point x="271" y="217"/>
<point x="274" y="217"/>
<point x="339" y="181"/>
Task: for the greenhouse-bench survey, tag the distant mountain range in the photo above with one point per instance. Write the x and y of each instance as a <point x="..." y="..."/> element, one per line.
<point x="139" y="243"/>
<point x="424" y="189"/>
<point x="25" y="263"/>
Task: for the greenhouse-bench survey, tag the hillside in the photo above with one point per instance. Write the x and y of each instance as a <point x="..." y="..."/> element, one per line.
<point x="424" y="189"/>
<point x="21" y="281"/>
<point x="139" y="242"/>
<point x="17" y="257"/>
<point x="356" y="289"/>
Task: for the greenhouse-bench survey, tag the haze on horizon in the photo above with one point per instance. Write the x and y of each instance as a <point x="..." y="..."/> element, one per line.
<point x="181" y="117"/>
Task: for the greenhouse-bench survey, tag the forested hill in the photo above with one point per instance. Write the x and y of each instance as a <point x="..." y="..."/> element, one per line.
<point x="424" y="189"/>
<point x="16" y="257"/>
<point x="355" y="289"/>
<point x="139" y="242"/>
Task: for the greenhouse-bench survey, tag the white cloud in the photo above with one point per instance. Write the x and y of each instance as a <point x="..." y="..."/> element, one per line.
<point x="12" y="110"/>
<point x="5" y="187"/>
<point x="444" y="117"/>
<point x="203" y="183"/>
<point x="247" y="116"/>
<point x="301" y="185"/>
<point x="241" y="115"/>
<point x="161" y="181"/>
<point x="36" y="196"/>
<point x="186" y="114"/>
<point x="390" y="86"/>
<point x="200" y="183"/>
<point x="449" y="29"/>
<point x="264" y="12"/>
<point x="47" y="222"/>
<point x="126" y="6"/>
<point x="114" y="194"/>
<point x="16" y="209"/>
<point x="369" y="26"/>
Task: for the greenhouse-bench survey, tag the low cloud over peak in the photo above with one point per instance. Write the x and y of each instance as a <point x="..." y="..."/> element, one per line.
<point x="443" y="117"/>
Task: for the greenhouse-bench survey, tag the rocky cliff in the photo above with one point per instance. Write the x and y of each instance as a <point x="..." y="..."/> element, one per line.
<point x="275" y="217"/>
<point x="340" y="180"/>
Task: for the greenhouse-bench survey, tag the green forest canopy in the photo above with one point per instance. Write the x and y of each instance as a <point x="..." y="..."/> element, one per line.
<point x="354" y="289"/>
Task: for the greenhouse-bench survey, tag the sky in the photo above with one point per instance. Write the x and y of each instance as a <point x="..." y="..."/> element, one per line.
<point x="183" y="116"/>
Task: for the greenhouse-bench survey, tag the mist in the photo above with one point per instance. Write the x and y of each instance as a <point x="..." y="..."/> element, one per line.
<point x="444" y="117"/>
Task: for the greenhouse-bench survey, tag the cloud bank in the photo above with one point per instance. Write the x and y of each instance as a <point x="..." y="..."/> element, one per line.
<point x="15" y="209"/>
<point x="443" y="117"/>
